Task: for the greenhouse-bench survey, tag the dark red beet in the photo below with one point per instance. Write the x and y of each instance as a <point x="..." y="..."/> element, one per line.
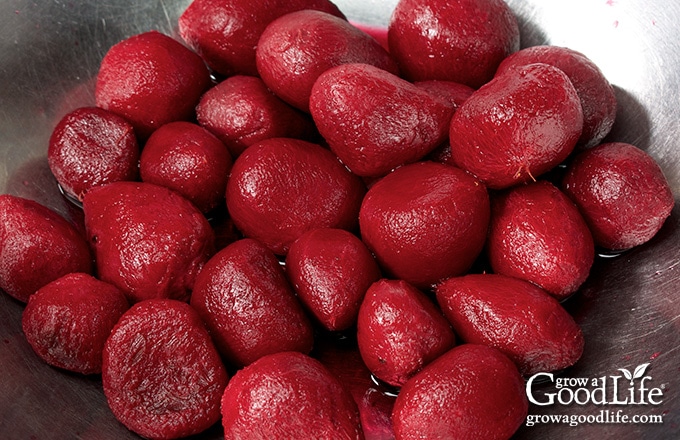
<point x="91" y="146"/>
<point x="151" y="79"/>
<point x="37" y="246"/>
<point x="514" y="316"/>
<point x="472" y="392"/>
<point x="621" y="192"/>
<point x="241" y="111"/>
<point x="425" y="222"/>
<point x="68" y="321"/>
<point x="518" y="126"/>
<point x="330" y="270"/>
<point x="288" y="395"/>
<point x="298" y="47"/>
<point x="148" y="240"/>
<point x="281" y="188"/>
<point x="375" y="121"/>
<point x="247" y="304"/>
<point x="454" y="40"/>
<point x="161" y="374"/>
<point x="455" y="94"/>
<point x="537" y="234"/>
<point x="399" y="331"/>
<point x="189" y="160"/>
<point x="597" y="95"/>
<point x="225" y="33"/>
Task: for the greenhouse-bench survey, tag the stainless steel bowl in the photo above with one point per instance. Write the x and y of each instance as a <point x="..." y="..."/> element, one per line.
<point x="629" y="308"/>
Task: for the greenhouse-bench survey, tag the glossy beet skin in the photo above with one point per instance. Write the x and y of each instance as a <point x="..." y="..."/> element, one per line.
<point x="298" y="47"/>
<point x="454" y="40"/>
<point x="425" y="222"/>
<point x="288" y="395"/>
<point x="37" y="246"/>
<point x="518" y="126"/>
<point x="516" y="317"/>
<point x="400" y="330"/>
<point x="91" y="146"/>
<point x="148" y="240"/>
<point x="188" y="159"/>
<point x="537" y="234"/>
<point x="330" y="270"/>
<point x="151" y="79"/>
<point x="621" y="192"/>
<point x="242" y="111"/>
<point x="281" y="188"/>
<point x="68" y="321"/>
<point x="596" y="94"/>
<point x="247" y="304"/>
<point x="472" y="392"/>
<point x="225" y="33"/>
<point x="161" y="374"/>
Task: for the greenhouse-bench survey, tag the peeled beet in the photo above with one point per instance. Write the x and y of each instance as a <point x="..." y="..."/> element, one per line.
<point x="454" y="40"/>
<point x="148" y="240"/>
<point x="189" y="160"/>
<point x="288" y="395"/>
<point x="37" y="246"/>
<point x="518" y="126"/>
<point x="375" y="121"/>
<point x="151" y="79"/>
<point x="247" y="304"/>
<point x="537" y="234"/>
<point x="400" y="330"/>
<point x="161" y="374"/>
<point x="514" y="316"/>
<point x="330" y="270"/>
<point x="281" y="188"/>
<point x="242" y="111"/>
<point x="298" y="47"/>
<point x="425" y="222"/>
<point x="621" y="192"/>
<point x="225" y="33"/>
<point x="91" y="146"/>
<point x="472" y="392"/>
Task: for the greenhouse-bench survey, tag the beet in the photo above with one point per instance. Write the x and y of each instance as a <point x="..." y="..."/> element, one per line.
<point x="37" y="246"/>
<point x="518" y="126"/>
<point x="281" y="188"/>
<point x="286" y="395"/>
<point x="225" y="33"/>
<point x="514" y="316"/>
<point x="425" y="222"/>
<point x="400" y="330"/>
<point x="537" y="234"/>
<point x="148" y="240"/>
<point x="621" y="192"/>
<point x="68" y="321"/>
<point x="161" y="374"/>
<point x="241" y="111"/>
<point x="91" y="146"/>
<point x="151" y="79"/>
<point x="596" y="94"/>
<point x="375" y="121"/>
<point x="189" y="160"/>
<point x="298" y="47"/>
<point x="330" y="270"/>
<point x="454" y="40"/>
<point x="247" y="304"/>
<point x="470" y="392"/>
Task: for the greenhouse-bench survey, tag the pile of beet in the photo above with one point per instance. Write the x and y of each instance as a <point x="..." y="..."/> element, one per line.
<point x="275" y="180"/>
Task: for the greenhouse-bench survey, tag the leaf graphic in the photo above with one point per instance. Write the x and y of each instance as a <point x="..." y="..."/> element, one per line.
<point x="640" y="371"/>
<point x="626" y="373"/>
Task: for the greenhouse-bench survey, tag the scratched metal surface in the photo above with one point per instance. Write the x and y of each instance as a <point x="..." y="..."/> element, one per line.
<point x="629" y="308"/>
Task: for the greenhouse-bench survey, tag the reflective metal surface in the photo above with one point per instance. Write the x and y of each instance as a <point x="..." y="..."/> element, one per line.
<point x="629" y="308"/>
